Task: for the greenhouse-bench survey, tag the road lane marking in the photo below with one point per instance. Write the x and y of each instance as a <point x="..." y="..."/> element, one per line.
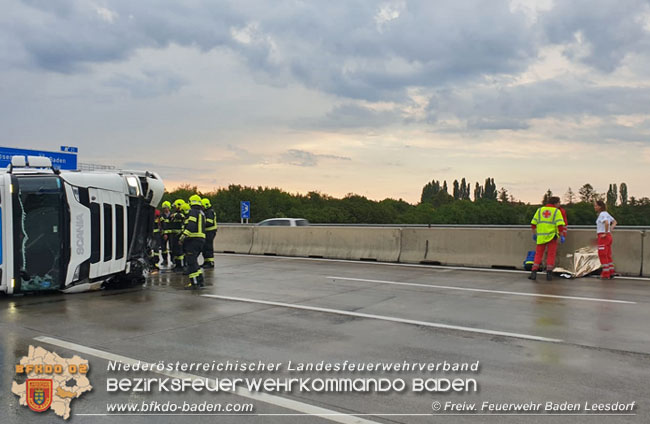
<point x="293" y="405"/>
<point x="352" y="261"/>
<point x="388" y="318"/>
<point x="435" y="267"/>
<point x="552" y="296"/>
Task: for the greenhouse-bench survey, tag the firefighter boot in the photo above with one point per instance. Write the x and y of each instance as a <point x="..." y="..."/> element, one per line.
<point x="549" y="275"/>
<point x="178" y="265"/>
<point x="533" y="275"/>
<point x="192" y="284"/>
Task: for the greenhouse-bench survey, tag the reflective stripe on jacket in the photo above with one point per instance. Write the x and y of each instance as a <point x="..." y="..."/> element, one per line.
<point x="195" y="223"/>
<point x="210" y="220"/>
<point x="164" y="223"/>
<point x="547" y="219"/>
<point x="175" y="223"/>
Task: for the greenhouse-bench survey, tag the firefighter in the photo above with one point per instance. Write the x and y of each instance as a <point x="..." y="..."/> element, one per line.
<point x="154" y="253"/>
<point x="210" y="233"/>
<point x="185" y="209"/>
<point x="174" y="228"/>
<point x="193" y="238"/>
<point x="164" y="232"/>
<point x="547" y="225"/>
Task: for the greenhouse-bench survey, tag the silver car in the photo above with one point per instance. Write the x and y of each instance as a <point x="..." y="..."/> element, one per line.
<point x="284" y="222"/>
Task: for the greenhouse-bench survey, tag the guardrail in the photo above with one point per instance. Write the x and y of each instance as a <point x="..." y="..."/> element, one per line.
<point x="477" y="246"/>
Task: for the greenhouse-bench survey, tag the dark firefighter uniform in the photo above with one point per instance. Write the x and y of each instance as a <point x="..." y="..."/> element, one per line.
<point x="174" y="228"/>
<point x="210" y="233"/>
<point x="185" y="209"/>
<point x="154" y="252"/>
<point x="164" y="232"/>
<point x="193" y="238"/>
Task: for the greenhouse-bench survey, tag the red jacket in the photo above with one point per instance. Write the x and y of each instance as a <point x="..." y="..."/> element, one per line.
<point x="565" y="227"/>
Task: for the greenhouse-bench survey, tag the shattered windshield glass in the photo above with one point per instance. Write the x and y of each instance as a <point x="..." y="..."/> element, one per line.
<point x="40" y="242"/>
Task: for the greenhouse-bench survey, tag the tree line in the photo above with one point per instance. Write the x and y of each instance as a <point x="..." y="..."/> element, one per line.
<point x="481" y="204"/>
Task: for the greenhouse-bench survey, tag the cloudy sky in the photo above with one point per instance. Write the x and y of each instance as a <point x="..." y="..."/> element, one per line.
<point x="370" y="97"/>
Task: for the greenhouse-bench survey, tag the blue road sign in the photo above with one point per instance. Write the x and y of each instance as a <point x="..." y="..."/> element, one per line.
<point x="69" y="149"/>
<point x="59" y="160"/>
<point x="245" y="210"/>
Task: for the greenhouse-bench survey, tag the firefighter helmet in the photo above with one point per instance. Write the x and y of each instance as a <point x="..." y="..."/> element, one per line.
<point x="195" y="199"/>
<point x="178" y="203"/>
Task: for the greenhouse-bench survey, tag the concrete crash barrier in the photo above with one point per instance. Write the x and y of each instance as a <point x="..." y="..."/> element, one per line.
<point x="233" y="239"/>
<point x="627" y="251"/>
<point x="507" y="248"/>
<point x="479" y="247"/>
<point x="646" y="253"/>
<point x="473" y="247"/>
<point x="380" y="244"/>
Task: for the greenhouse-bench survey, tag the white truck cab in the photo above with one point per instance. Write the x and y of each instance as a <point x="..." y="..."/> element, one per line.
<point x="71" y="230"/>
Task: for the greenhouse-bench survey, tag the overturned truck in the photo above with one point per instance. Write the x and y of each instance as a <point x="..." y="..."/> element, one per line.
<point x="72" y="230"/>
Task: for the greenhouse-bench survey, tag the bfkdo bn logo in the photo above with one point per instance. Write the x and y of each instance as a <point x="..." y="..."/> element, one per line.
<point x="52" y="382"/>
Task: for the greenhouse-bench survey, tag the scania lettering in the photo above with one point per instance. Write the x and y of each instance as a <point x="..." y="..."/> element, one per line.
<point x="80" y="234"/>
<point x="74" y="231"/>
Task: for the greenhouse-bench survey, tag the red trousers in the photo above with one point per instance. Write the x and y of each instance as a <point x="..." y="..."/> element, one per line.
<point x="605" y="254"/>
<point x="550" y="255"/>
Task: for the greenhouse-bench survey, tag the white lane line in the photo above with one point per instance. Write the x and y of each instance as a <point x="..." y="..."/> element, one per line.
<point x="387" y="318"/>
<point x="436" y="267"/>
<point x="293" y="405"/>
<point x="360" y="262"/>
<point x="553" y="296"/>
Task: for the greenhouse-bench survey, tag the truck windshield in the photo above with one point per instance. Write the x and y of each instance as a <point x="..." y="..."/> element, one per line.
<point x="39" y="235"/>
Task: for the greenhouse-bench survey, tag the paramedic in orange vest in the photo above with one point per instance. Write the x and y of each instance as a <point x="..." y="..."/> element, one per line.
<point x="548" y="226"/>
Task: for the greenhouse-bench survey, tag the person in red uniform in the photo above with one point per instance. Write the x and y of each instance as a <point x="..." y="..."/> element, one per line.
<point x="604" y="226"/>
<point x="565" y="228"/>
<point x="548" y="225"/>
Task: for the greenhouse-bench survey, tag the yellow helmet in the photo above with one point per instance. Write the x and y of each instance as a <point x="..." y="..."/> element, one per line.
<point x="185" y="208"/>
<point x="206" y="203"/>
<point x="195" y="199"/>
<point x="178" y="203"/>
<point x="166" y="205"/>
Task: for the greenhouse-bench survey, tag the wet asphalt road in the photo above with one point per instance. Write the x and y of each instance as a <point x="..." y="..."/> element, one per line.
<point x="576" y="341"/>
